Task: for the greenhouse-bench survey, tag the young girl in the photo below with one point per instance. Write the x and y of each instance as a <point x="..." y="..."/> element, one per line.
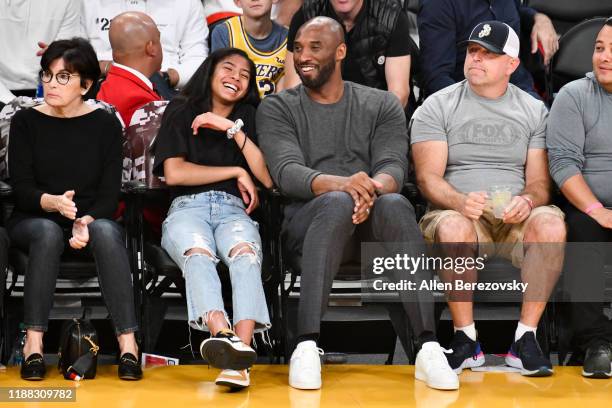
<point x="206" y="150"/>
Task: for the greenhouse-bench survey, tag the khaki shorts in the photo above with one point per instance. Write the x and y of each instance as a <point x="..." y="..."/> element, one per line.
<point x="490" y="230"/>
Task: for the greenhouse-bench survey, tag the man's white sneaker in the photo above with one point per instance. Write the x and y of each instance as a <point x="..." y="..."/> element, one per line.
<point x="305" y="366"/>
<point x="432" y="368"/>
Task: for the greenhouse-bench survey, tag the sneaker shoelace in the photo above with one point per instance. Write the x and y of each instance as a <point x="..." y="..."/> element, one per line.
<point x="299" y="352"/>
<point x="437" y="357"/>
<point x="602" y="349"/>
<point x="229" y="334"/>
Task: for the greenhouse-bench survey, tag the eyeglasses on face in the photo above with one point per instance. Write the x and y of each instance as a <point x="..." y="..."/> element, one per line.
<point x="62" y="78"/>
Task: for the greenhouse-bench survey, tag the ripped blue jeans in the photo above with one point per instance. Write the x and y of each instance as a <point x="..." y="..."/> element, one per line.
<point x="217" y="223"/>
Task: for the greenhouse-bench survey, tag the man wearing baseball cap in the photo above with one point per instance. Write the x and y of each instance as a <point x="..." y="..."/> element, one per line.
<point x="443" y="24"/>
<point x="467" y="138"/>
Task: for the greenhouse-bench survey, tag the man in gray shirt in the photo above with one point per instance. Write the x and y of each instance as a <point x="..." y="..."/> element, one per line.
<point x="467" y="138"/>
<point x="580" y="151"/>
<point x="340" y="150"/>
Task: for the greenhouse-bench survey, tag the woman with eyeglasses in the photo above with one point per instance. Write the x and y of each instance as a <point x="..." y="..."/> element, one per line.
<point x="65" y="167"/>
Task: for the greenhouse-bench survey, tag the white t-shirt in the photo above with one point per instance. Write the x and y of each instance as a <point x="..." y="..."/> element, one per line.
<point x="181" y="23"/>
<point x="22" y="24"/>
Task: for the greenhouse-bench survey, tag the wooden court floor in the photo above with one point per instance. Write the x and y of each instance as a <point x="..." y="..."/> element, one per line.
<point x="344" y="386"/>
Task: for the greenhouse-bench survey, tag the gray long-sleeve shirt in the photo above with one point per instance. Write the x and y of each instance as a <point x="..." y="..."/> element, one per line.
<point x="364" y="131"/>
<point x="579" y="136"/>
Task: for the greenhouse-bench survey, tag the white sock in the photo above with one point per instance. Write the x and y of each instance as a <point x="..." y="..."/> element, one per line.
<point x="522" y="329"/>
<point x="469" y="330"/>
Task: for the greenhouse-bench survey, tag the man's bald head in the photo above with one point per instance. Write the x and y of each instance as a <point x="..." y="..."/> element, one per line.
<point x="318" y="52"/>
<point x="130" y="32"/>
<point x="135" y="41"/>
<point x="325" y="27"/>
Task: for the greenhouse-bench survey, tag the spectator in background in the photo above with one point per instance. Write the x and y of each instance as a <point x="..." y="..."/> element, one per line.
<point x="23" y="24"/>
<point x="445" y="24"/>
<point x="339" y="151"/>
<point x="580" y="151"/>
<point x="467" y="138"/>
<point x="379" y="47"/>
<point x="216" y="11"/>
<point x="66" y="161"/>
<point x="183" y="36"/>
<point x="283" y="11"/>
<point x="264" y="41"/>
<point x="137" y="55"/>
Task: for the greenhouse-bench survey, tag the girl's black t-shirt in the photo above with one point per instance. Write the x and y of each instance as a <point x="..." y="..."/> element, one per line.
<point x="209" y="147"/>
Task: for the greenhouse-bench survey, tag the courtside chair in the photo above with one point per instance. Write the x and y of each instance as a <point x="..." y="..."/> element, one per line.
<point x="565" y="14"/>
<point x="162" y="278"/>
<point x="77" y="279"/>
<point x="574" y="58"/>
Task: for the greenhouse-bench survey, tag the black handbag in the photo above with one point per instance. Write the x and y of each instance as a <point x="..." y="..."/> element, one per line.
<point x="78" y="352"/>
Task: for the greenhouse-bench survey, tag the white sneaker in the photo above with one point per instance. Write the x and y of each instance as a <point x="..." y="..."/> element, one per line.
<point x="432" y="368"/>
<point x="234" y="379"/>
<point x="305" y="366"/>
<point x="225" y="350"/>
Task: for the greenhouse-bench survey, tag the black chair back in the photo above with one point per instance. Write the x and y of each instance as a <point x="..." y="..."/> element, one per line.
<point x="574" y="58"/>
<point x="567" y="13"/>
<point x="411" y="6"/>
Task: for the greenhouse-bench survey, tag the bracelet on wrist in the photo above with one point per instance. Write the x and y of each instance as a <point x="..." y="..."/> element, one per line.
<point x="593" y="207"/>
<point x="529" y="202"/>
<point x="231" y="132"/>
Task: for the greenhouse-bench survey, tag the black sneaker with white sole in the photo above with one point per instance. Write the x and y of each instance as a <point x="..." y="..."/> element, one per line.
<point x="598" y="361"/>
<point x="225" y="350"/>
<point x="526" y="355"/>
<point x="464" y="353"/>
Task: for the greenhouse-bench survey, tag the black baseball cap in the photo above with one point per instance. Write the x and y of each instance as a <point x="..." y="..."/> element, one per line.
<point x="496" y="37"/>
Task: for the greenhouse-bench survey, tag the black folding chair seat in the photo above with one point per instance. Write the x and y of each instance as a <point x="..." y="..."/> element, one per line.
<point x="71" y="267"/>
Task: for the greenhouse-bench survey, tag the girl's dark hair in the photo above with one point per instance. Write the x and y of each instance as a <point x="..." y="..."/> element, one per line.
<point x="78" y="55"/>
<point x="197" y="93"/>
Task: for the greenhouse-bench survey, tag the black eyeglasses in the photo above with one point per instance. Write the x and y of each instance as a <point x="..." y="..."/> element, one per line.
<point x="62" y="78"/>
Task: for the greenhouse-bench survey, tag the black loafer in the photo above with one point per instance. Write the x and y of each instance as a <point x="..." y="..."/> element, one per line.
<point x="129" y="368"/>
<point x="33" y="368"/>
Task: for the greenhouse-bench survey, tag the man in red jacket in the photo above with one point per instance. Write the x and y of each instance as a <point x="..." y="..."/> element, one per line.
<point x="137" y="54"/>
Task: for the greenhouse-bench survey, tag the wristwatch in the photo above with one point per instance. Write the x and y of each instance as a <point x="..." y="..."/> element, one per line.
<point x="231" y="132"/>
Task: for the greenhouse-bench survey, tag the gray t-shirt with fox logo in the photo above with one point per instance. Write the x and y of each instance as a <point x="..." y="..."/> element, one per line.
<point x="488" y="139"/>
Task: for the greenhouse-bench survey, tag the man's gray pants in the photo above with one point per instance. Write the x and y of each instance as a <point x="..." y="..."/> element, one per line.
<point x="322" y="231"/>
